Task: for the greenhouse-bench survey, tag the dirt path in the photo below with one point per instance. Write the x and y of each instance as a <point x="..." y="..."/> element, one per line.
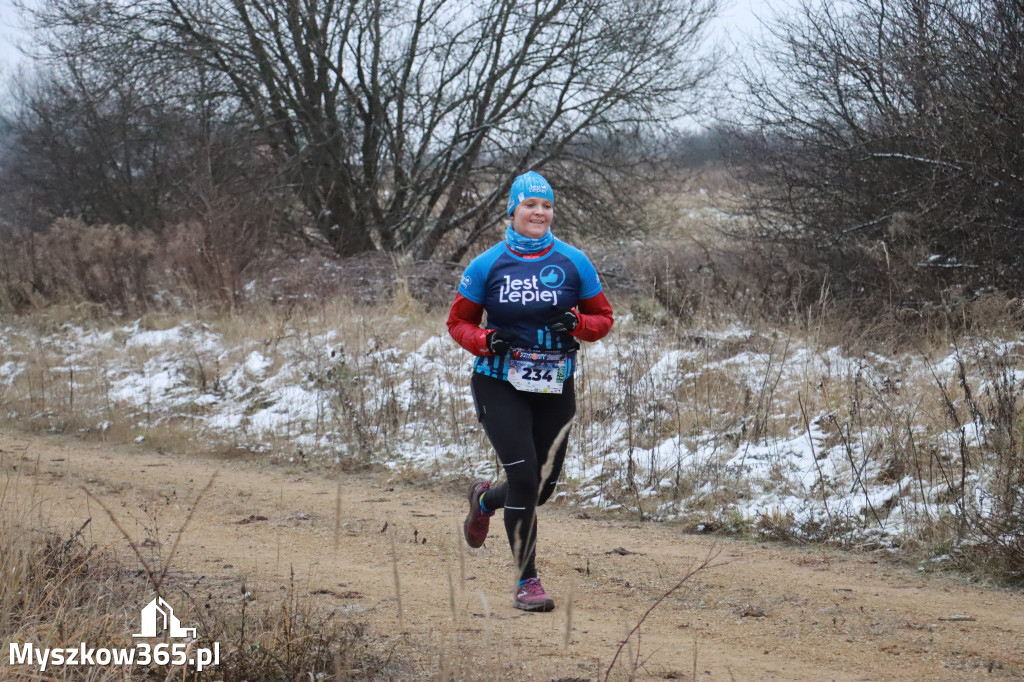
<point x="762" y="612"/>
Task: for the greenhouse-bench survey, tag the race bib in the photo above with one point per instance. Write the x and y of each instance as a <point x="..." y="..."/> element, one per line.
<point x="537" y="371"/>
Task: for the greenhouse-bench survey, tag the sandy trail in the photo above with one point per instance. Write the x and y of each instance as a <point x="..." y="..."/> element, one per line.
<point x="761" y="612"/>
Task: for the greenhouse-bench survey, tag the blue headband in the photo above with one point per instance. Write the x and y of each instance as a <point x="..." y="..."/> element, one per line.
<point x="529" y="184"/>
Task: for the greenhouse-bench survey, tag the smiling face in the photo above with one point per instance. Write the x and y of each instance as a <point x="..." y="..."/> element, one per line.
<point x="532" y="217"/>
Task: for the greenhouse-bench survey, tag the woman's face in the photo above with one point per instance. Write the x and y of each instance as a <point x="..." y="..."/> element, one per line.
<point x="532" y="217"/>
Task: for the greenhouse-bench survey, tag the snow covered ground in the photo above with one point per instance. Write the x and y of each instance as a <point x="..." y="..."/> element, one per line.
<point x="724" y="426"/>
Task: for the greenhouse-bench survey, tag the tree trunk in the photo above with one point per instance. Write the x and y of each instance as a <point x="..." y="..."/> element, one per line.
<point x="343" y="230"/>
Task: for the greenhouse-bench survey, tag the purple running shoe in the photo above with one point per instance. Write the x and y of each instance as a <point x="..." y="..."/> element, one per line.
<point x="530" y="596"/>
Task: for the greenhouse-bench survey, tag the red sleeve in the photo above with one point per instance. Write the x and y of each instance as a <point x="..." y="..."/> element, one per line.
<point x="464" y="325"/>
<point x="595" y="315"/>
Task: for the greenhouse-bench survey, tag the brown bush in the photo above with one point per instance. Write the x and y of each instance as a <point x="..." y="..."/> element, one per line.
<point x="109" y="265"/>
<point x="207" y="259"/>
<point x="125" y="270"/>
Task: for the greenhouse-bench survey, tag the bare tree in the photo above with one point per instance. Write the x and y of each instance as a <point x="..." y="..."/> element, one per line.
<point x="402" y="121"/>
<point x="90" y="154"/>
<point x="886" y="146"/>
<point x="122" y="145"/>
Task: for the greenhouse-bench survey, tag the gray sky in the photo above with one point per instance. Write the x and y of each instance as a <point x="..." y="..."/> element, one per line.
<point x="10" y="35"/>
<point x="740" y="19"/>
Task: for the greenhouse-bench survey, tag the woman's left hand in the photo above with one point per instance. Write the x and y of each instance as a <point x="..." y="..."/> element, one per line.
<point x="562" y="322"/>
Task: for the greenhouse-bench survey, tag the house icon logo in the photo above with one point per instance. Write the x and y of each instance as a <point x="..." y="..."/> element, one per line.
<point x="157" y="615"/>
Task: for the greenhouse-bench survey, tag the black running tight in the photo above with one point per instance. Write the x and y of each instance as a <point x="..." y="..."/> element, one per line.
<point x="529" y="431"/>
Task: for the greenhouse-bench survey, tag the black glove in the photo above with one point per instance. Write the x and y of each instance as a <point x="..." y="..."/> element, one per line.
<point x="498" y="342"/>
<point x="563" y="322"/>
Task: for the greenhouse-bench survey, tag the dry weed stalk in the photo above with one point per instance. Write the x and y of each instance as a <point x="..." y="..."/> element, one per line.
<point x="570" y="610"/>
<point x="817" y="463"/>
<point x="156" y="579"/>
<point x="706" y="564"/>
<point x="397" y="582"/>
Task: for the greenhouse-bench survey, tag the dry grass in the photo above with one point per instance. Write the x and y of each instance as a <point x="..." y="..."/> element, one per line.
<point x="703" y="383"/>
<point x="928" y="431"/>
<point x="711" y="356"/>
<point x="57" y="589"/>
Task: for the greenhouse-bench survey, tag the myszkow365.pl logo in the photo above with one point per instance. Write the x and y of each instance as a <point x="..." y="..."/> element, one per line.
<point x="157" y="616"/>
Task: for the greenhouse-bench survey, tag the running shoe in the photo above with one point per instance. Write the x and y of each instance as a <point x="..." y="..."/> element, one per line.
<point x="530" y="596"/>
<point x="477" y="522"/>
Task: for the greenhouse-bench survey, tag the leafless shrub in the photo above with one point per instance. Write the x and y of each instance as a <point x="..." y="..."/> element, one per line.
<point x="124" y="270"/>
<point x="107" y="265"/>
<point x="879" y="157"/>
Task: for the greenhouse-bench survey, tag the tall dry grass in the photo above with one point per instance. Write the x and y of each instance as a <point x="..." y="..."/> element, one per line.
<point x="59" y="589"/>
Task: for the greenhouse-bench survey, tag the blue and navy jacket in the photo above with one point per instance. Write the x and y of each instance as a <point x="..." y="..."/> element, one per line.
<point x="519" y="293"/>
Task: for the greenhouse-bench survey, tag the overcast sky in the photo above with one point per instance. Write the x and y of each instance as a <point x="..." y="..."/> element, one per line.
<point x="10" y="35"/>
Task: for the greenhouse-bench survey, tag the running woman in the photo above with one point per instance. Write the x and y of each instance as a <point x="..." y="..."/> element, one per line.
<point x="541" y="297"/>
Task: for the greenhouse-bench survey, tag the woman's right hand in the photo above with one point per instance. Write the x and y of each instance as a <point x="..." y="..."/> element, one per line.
<point x="499" y="342"/>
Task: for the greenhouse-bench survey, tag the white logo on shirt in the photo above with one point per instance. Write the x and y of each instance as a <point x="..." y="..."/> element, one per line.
<point x="525" y="291"/>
